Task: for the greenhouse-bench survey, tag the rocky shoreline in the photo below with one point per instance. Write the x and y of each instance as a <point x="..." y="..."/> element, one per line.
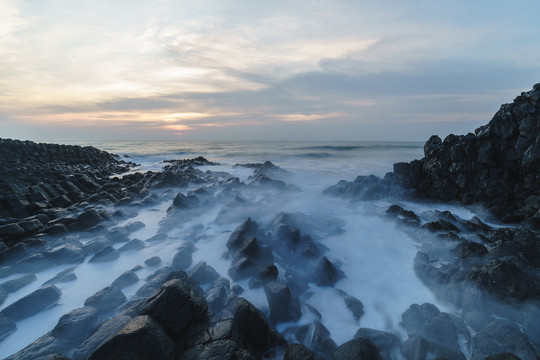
<point x="62" y="205"/>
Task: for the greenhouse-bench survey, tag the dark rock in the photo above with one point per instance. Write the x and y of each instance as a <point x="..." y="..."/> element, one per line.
<point x="218" y="295"/>
<point x="3" y="295"/>
<point x="32" y="303"/>
<point x="316" y="337"/>
<point x="105" y="331"/>
<point x="62" y="276"/>
<point x="440" y="225"/>
<point x="325" y="273"/>
<point x="405" y="216"/>
<point x="44" y="347"/>
<point x="267" y="273"/>
<point x="141" y="338"/>
<point x="203" y="273"/>
<point x="242" y="268"/>
<point x="76" y="325"/>
<point x="125" y="279"/>
<point x="355" y="306"/>
<point x="176" y="307"/>
<point x="106" y="254"/>
<point x="248" y="229"/>
<point x="153" y="261"/>
<point x="467" y="249"/>
<point x="298" y="352"/>
<point x="282" y="305"/>
<point x="66" y="254"/>
<point x="260" y="254"/>
<point x="158" y="238"/>
<point x="501" y="336"/>
<point x="503" y="356"/>
<point x="7" y="326"/>
<point x="182" y="259"/>
<point x="88" y="219"/>
<point x="134" y="226"/>
<point x="17" y="283"/>
<point x="106" y="299"/>
<point x="153" y="281"/>
<point x="12" y="230"/>
<point x="132" y="245"/>
<point x="382" y="340"/>
<point x="357" y="349"/>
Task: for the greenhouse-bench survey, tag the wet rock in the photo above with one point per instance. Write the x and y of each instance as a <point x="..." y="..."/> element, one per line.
<point x="298" y="352"/>
<point x="182" y="201"/>
<point x="382" y="340"/>
<point x="62" y="276"/>
<point x="17" y="283"/>
<point x="248" y="229"/>
<point x="440" y="225"/>
<point x="316" y="337"/>
<point x="141" y="338"/>
<point x="355" y="306"/>
<point x="96" y="244"/>
<point x="282" y="305"/>
<point x="7" y="326"/>
<point x="325" y="273"/>
<point x="153" y="281"/>
<point x="203" y="273"/>
<point x="106" y="299"/>
<point x="66" y="254"/>
<point x="106" y="254"/>
<point x="182" y="259"/>
<point x="132" y="245"/>
<point x="176" y="307"/>
<point x="503" y="279"/>
<point x="157" y="238"/>
<point x="218" y="295"/>
<point x="501" y="336"/>
<point x="259" y="253"/>
<point x="242" y="268"/>
<point x="503" y="356"/>
<point x="88" y="219"/>
<point x="127" y="278"/>
<point x="117" y="234"/>
<point x="357" y="349"/>
<point x="404" y="216"/>
<point x="468" y="249"/>
<point x="76" y="325"/>
<point x="44" y="347"/>
<point x="32" y="303"/>
<point x="134" y="226"/>
<point x="105" y="331"/>
<point x="153" y="261"/>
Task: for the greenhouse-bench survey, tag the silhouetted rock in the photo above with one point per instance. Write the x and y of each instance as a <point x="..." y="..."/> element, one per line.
<point x="76" y="325"/>
<point x="106" y="299"/>
<point x="32" y="303"/>
<point x="282" y="305"/>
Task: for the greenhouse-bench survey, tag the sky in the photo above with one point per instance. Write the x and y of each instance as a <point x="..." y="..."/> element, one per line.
<point x="261" y="70"/>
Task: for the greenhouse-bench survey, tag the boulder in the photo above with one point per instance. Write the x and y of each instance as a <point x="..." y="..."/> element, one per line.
<point x="66" y="254"/>
<point x="104" y="332"/>
<point x="355" y="306"/>
<point x="106" y="299"/>
<point x="88" y="219"/>
<point x="357" y="349"/>
<point x="325" y="273"/>
<point x="32" y="303"/>
<point x="141" y="338"/>
<point x="382" y="340"/>
<point x="132" y="245"/>
<point x="7" y="326"/>
<point x="108" y="253"/>
<point x="282" y="305"/>
<point x="298" y="352"/>
<point x="242" y="268"/>
<point x="17" y="283"/>
<point x="176" y="307"/>
<point x="127" y="278"/>
<point x="76" y="325"/>
<point x="153" y="261"/>
<point x="62" y="276"/>
<point x="182" y="259"/>
<point x="203" y="273"/>
<point x="316" y="337"/>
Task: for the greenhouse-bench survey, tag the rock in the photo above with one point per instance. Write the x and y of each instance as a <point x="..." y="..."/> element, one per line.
<point x="66" y="254"/>
<point x="282" y="305"/>
<point x="17" y="283"/>
<point x="503" y="356"/>
<point x="316" y="337"/>
<point x="3" y="295"/>
<point x="355" y="306"/>
<point x="404" y="216"/>
<point x="76" y="325"/>
<point x="62" y="276"/>
<point x="182" y="259"/>
<point x="7" y="327"/>
<point x="88" y="219"/>
<point x="218" y="295"/>
<point x="357" y="349"/>
<point x="248" y="229"/>
<point x="153" y="261"/>
<point x="106" y="299"/>
<point x="141" y="338"/>
<point x="298" y="352"/>
<point x="127" y="278"/>
<point x="242" y="268"/>
<point x="382" y="340"/>
<point x="132" y="245"/>
<point x="153" y="282"/>
<point x="105" y="331"/>
<point x="203" y="273"/>
<point x="258" y="253"/>
<point x="134" y="226"/>
<point x="32" y="303"/>
<point x="176" y="307"/>
<point x="325" y="273"/>
<point x="108" y="253"/>
<point x="44" y="347"/>
<point x="501" y="336"/>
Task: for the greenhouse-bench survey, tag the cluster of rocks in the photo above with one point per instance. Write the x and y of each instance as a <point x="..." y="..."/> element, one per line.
<point x="489" y="274"/>
<point x="496" y="167"/>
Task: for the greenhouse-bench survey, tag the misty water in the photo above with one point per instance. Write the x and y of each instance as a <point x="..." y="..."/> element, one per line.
<point x="375" y="255"/>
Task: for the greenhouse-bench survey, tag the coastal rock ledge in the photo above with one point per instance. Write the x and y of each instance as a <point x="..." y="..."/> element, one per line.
<point x="496" y="167"/>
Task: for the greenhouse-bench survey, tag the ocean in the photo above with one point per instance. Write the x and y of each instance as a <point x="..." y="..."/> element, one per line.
<point x="375" y="255"/>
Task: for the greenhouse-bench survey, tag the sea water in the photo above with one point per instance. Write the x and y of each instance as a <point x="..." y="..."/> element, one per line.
<point x="376" y="256"/>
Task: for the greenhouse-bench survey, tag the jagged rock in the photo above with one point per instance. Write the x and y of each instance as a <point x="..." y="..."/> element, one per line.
<point x="404" y="216"/>
<point x="298" y="352"/>
<point x="248" y="229"/>
<point x="141" y="338"/>
<point x="382" y="340"/>
<point x="32" y="303"/>
<point x="316" y="337"/>
<point x="153" y="281"/>
<point x="282" y="305"/>
<point x="88" y="219"/>
<point x="242" y="268"/>
<point x="355" y="306"/>
<point x="325" y="273"/>
<point x="203" y="273"/>
<point x="182" y="259"/>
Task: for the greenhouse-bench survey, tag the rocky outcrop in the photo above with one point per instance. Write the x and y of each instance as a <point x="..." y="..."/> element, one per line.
<point x="495" y="167"/>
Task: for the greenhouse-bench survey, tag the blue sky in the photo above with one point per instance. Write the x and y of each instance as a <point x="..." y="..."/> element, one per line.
<point x="261" y="70"/>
